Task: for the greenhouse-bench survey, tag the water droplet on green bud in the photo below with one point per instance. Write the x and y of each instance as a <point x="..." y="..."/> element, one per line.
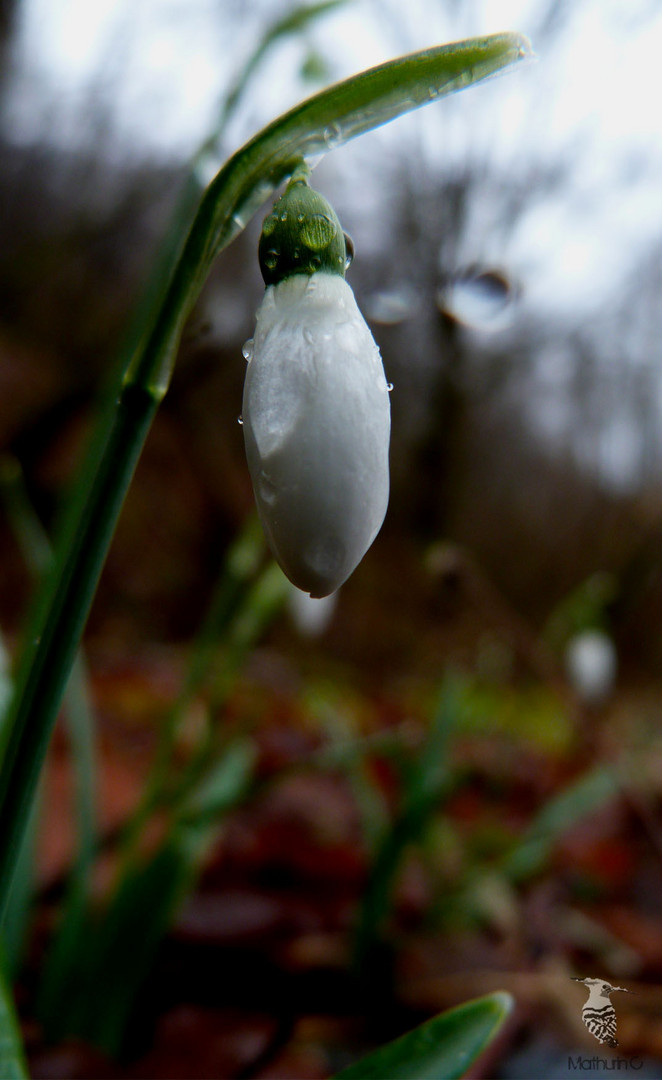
<point x="318" y="231"/>
<point x="269" y="224"/>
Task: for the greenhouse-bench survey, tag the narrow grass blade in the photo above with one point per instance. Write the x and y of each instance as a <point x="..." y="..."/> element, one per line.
<point x="36" y="550"/>
<point x="441" y="1049"/>
<point x="98" y="993"/>
<point x="425" y="782"/>
<point x="15" y="925"/>
<point x="12" y="1059"/>
<point x="57" y="622"/>
<point x="588" y="793"/>
<point x="224" y="785"/>
<point x="293" y="22"/>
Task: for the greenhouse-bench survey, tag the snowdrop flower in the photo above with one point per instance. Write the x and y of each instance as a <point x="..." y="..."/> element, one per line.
<point x="591" y="663"/>
<point x="316" y="411"/>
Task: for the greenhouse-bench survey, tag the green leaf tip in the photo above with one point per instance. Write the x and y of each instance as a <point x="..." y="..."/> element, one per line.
<point x="443" y="1048"/>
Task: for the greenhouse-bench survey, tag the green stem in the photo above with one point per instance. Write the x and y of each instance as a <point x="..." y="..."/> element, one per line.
<point x="60" y="619"/>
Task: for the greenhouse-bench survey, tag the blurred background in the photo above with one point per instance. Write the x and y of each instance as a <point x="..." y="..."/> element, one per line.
<point x="453" y="781"/>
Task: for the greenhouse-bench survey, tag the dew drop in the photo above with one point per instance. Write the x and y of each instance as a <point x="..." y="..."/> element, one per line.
<point x="349" y="249"/>
<point x="269" y="224"/>
<point x="247" y="350"/>
<point x="301" y="218"/>
<point x="318" y="231"/>
<point x="333" y="135"/>
<point x="240" y="420"/>
<point x="389" y="386"/>
<point x="267" y="489"/>
<point x="283" y="216"/>
<point x="271" y="259"/>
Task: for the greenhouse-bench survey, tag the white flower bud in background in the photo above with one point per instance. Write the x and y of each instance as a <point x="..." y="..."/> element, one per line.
<point x="591" y="663"/>
<point x="311" y="617"/>
<point x="316" y="411"/>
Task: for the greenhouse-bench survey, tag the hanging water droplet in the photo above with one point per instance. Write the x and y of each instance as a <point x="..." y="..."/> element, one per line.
<point x="240" y="420"/>
<point x="267" y="489"/>
<point x="333" y="135"/>
<point x="389" y="386"/>
<point x="283" y="216"/>
<point x="301" y="218"/>
<point x="271" y="259"/>
<point x="247" y="350"/>
<point x="349" y="250"/>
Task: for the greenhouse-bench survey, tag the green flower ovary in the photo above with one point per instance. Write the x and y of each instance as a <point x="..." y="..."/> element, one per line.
<point x="301" y="235"/>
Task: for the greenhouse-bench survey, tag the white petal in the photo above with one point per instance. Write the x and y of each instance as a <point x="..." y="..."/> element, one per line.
<point x="317" y="424"/>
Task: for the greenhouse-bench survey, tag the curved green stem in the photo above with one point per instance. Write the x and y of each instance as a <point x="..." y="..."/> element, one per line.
<point x="321" y="123"/>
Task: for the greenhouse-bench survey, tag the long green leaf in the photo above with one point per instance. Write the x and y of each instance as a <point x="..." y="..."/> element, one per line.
<point x="12" y="1061"/>
<point x="441" y="1049"/>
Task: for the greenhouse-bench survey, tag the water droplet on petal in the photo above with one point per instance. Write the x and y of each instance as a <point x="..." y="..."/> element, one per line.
<point x="389" y="386"/>
<point x="247" y="350"/>
<point x="240" y="419"/>
<point x="267" y="489"/>
<point x="301" y="218"/>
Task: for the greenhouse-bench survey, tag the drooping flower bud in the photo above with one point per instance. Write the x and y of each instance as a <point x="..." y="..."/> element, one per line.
<point x="316" y="411"/>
